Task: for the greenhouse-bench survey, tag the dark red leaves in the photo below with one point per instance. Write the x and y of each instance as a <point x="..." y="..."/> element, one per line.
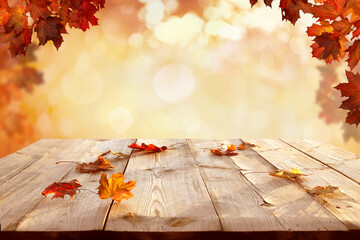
<point x="61" y="188"/>
<point x="352" y="91"/>
<point x="50" y="29"/>
<point x="100" y="164"/>
<point x="48" y="18"/>
<point x="150" y="147"/>
<point x="290" y="9"/>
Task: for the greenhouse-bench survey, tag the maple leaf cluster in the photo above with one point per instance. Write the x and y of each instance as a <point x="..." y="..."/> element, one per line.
<point x="148" y="147"/>
<point x="336" y="36"/>
<point x="18" y="77"/>
<point x="230" y="150"/>
<point x="19" y="19"/>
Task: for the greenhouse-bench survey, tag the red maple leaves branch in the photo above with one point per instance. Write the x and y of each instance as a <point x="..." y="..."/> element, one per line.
<point x="336" y="36"/>
<point x="19" y="19"/>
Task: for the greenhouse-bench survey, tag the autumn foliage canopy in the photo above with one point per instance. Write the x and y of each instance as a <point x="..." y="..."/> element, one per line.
<point x="19" y="19"/>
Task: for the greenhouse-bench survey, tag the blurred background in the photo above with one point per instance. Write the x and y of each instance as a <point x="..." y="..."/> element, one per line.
<point x="177" y="69"/>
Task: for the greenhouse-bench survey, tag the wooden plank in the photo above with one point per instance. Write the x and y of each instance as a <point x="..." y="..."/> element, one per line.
<point x="14" y="163"/>
<point x="86" y="211"/>
<point x="170" y="195"/>
<point x="22" y="193"/>
<point x="200" y="149"/>
<point x="344" y="205"/>
<point x="339" y="159"/>
<point x="294" y="208"/>
<point x="237" y="202"/>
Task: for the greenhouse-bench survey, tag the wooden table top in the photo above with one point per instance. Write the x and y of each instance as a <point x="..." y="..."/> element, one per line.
<point x="185" y="191"/>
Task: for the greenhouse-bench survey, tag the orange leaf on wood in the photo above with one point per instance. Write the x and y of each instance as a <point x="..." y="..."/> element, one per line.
<point x="115" y="187"/>
<point x="246" y="145"/>
<point x="150" y="147"/>
<point x="61" y="188"/>
<point x="223" y="153"/>
<point x="100" y="164"/>
<point x="321" y="190"/>
<point x="292" y="174"/>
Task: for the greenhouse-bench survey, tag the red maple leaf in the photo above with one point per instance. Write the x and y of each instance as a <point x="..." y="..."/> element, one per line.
<point x="100" y="164"/>
<point x="290" y="9"/>
<point x="150" y="147"/>
<point x="329" y="47"/>
<point x="354" y="54"/>
<point x="267" y="2"/>
<point x="61" y="188"/>
<point x="352" y="91"/>
<point x="46" y="17"/>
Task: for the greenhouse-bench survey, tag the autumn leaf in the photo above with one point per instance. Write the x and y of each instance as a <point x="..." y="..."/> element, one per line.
<point x="354" y="54"/>
<point x="329" y="47"/>
<point x="61" y="188"/>
<point x="231" y="147"/>
<point x="100" y="164"/>
<point x="292" y="174"/>
<point x="219" y="152"/>
<point x="321" y="190"/>
<point x="246" y="145"/>
<point x="47" y="18"/>
<point x="327" y="97"/>
<point x="150" y="147"/>
<point x="290" y="9"/>
<point x="267" y="2"/>
<point x="352" y="91"/>
<point x="115" y="187"/>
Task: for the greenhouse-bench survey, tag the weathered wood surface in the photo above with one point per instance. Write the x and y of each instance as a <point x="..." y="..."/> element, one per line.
<point x="184" y="189"/>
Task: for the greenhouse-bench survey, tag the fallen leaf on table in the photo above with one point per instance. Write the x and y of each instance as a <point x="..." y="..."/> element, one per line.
<point x="292" y="174"/>
<point x="246" y="145"/>
<point x="100" y="164"/>
<point x="231" y="147"/>
<point x="150" y="147"/>
<point x="321" y="190"/>
<point x="61" y="188"/>
<point x="219" y="152"/>
<point x="115" y="187"/>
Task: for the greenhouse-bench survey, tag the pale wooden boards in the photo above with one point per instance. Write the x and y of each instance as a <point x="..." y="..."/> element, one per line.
<point x="184" y="189"/>
<point x="169" y="194"/>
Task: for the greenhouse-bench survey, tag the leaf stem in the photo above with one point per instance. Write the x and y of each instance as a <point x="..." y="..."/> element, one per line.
<point x="254" y="172"/>
<point x="66" y="162"/>
<point x="87" y="190"/>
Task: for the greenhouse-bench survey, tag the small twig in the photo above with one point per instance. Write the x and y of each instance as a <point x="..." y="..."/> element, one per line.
<point x="254" y="172"/>
<point x="66" y="162"/>
<point x="87" y="190"/>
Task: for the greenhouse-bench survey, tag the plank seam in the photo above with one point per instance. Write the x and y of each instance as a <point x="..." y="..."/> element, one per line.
<point x="35" y="161"/>
<point x="112" y="201"/>
<point x="207" y="190"/>
<point x="321" y="161"/>
<point x="299" y="184"/>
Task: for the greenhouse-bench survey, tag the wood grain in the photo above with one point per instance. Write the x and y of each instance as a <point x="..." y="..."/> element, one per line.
<point x="293" y="207"/>
<point x="14" y="163"/>
<point x="22" y="193"/>
<point x="339" y="159"/>
<point x="169" y="195"/>
<point x="64" y="213"/>
<point x="344" y="204"/>
<point x="237" y="202"/>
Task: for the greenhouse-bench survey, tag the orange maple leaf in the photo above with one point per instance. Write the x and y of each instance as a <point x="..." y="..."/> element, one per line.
<point x="100" y="164"/>
<point x="61" y="188"/>
<point x="246" y="145"/>
<point x="150" y="147"/>
<point x="292" y="174"/>
<point x="223" y="153"/>
<point x="115" y="187"/>
<point x="321" y="190"/>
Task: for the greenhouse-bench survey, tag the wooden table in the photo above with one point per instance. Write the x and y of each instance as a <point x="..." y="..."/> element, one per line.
<point x="184" y="192"/>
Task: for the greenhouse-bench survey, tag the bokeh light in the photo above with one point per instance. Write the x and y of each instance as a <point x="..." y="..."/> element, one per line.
<point x="183" y="69"/>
